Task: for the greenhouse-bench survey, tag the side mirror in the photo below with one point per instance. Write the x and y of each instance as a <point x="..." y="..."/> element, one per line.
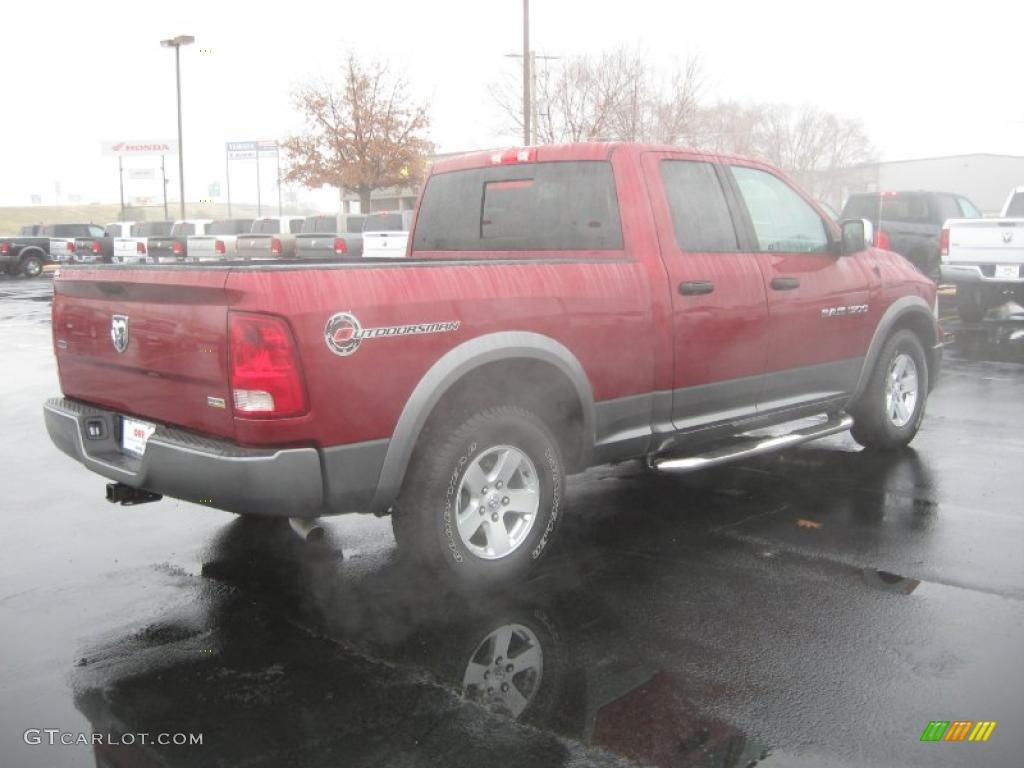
<point x="858" y="234"/>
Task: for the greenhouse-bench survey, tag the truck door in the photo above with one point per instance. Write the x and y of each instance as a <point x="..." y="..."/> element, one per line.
<point x="719" y="305"/>
<point x="819" y="312"/>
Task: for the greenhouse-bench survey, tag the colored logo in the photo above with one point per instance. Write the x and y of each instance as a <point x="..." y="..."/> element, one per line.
<point x="344" y="333"/>
<point x="958" y="730"/>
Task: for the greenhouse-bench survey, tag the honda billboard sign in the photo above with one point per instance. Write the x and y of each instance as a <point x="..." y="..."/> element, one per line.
<point x="149" y="147"/>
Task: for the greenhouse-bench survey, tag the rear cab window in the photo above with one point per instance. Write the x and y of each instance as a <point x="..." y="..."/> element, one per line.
<point x="183" y="229"/>
<point x="295" y="226"/>
<point x="552" y="206"/>
<point x="385" y="222"/>
<point x="970" y="210"/>
<point x="266" y="227"/>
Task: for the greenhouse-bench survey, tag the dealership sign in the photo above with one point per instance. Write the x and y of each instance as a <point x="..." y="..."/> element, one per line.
<point x="150" y="147"/>
<point x="247" y="150"/>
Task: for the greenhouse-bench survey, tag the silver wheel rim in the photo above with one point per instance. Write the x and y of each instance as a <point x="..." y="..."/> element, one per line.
<point x="499" y="495"/>
<point x="901" y="390"/>
<point x="504" y="672"/>
<point x="33" y="268"/>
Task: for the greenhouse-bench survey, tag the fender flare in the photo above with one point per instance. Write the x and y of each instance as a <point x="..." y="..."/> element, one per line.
<point x="453" y="366"/>
<point x="897" y="311"/>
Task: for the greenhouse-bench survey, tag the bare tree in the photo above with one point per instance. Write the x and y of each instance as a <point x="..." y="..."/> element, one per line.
<point x="616" y="95"/>
<point x="817" y="148"/>
<point x="362" y="134"/>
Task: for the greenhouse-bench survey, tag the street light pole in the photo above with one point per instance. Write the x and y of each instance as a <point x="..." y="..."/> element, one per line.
<point x="526" y="72"/>
<point x="176" y="43"/>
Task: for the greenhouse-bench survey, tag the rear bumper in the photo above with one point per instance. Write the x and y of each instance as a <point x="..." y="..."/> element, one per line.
<point x="217" y="473"/>
<point x="976" y="273"/>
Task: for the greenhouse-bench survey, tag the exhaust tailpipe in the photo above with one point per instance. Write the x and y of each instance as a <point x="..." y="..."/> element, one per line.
<point x="126" y="495"/>
<point x="307" y="529"/>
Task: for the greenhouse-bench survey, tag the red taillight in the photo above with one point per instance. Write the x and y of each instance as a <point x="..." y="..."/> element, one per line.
<point x="218" y="247"/>
<point x="512" y="156"/>
<point x="340" y="246"/>
<point x="5" y="247"/>
<point x="944" y="242"/>
<point x="177" y="249"/>
<point x="140" y="247"/>
<point x="96" y="248"/>
<point x="70" y="247"/>
<point x="882" y="240"/>
<point x="275" y="246"/>
<point x="266" y="380"/>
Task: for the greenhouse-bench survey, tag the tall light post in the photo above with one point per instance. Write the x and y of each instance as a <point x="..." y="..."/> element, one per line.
<point x="176" y="43"/>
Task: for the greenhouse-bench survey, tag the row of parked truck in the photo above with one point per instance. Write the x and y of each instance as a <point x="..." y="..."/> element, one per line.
<point x="377" y="235"/>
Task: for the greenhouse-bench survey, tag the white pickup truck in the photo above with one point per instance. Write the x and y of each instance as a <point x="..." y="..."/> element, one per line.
<point x="386" y="235"/>
<point x="219" y="241"/>
<point x="133" y="248"/>
<point x="984" y="258"/>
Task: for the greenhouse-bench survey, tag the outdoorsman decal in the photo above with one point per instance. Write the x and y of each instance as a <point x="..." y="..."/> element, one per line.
<point x="343" y="332"/>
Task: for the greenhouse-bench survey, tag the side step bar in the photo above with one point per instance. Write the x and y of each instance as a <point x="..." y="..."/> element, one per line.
<point x="747" y="447"/>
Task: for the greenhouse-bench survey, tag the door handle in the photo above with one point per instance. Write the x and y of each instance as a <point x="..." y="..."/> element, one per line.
<point x="696" y="287"/>
<point x="785" y="283"/>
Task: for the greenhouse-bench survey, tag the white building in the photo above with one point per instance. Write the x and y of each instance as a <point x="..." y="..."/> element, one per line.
<point x="983" y="178"/>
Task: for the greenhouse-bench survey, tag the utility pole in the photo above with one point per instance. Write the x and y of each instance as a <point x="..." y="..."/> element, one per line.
<point x="526" y="72"/>
<point x="176" y="43"/>
<point x="535" y="114"/>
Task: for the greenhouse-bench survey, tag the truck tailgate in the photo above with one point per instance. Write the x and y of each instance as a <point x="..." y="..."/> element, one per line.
<point x="383" y="245"/>
<point x="174" y="366"/>
<point x="254" y="246"/>
<point x="986" y="241"/>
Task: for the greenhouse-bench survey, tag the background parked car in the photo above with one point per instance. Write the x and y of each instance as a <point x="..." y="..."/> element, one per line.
<point x="62" y="238"/>
<point x="174" y="247"/>
<point x="911" y="221"/>
<point x="219" y="240"/>
<point x="100" y="249"/>
<point x="386" y="234"/>
<point x="133" y="248"/>
<point x="331" y="237"/>
<point x="270" y="238"/>
<point x="24" y="254"/>
<point x="984" y="258"/>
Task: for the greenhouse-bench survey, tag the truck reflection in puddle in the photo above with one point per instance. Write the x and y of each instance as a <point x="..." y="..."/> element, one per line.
<point x="266" y="686"/>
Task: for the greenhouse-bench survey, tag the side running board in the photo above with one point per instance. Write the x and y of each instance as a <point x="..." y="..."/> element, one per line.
<point x="746" y="447"/>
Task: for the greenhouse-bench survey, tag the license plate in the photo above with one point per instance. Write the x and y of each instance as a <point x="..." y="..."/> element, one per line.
<point x="134" y="435"/>
<point x="1006" y="271"/>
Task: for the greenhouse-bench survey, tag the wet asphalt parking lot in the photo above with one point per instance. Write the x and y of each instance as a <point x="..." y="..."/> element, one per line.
<point x="814" y="608"/>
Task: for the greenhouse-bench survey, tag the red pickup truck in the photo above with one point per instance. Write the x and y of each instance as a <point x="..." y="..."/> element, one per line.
<point x="557" y="307"/>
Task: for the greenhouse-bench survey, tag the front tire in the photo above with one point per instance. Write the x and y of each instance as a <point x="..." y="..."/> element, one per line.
<point x="891" y="408"/>
<point x="482" y="497"/>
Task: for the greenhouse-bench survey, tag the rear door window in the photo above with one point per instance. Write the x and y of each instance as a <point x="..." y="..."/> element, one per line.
<point x="948" y="208"/>
<point x="526" y="207"/>
<point x="783" y="221"/>
<point x="700" y="213"/>
<point x="970" y="211"/>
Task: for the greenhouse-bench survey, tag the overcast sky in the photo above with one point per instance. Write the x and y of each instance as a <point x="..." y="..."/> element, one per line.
<point x="925" y="78"/>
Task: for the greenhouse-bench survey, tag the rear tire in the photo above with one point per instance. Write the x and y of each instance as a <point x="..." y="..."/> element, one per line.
<point x="482" y="497"/>
<point x="32" y="266"/>
<point x="891" y="408"/>
<point x="972" y="303"/>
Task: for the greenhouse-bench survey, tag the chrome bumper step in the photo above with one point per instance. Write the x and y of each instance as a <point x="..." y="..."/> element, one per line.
<point x="746" y="447"/>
